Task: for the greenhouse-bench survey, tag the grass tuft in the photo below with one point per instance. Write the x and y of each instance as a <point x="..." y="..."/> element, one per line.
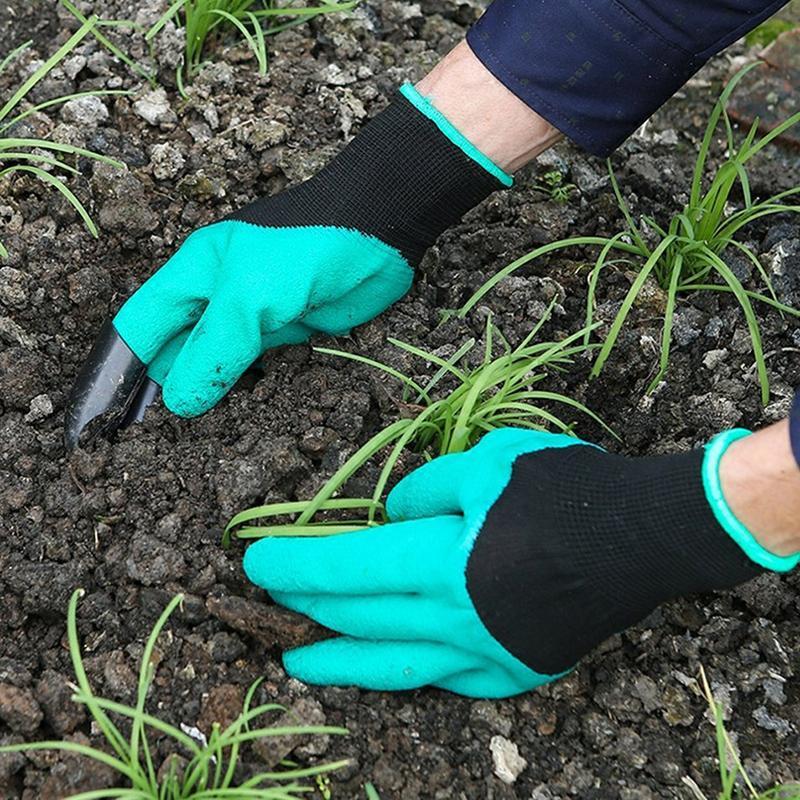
<point x="38" y="157"/>
<point x="195" y="771"/>
<point x="205" y="21"/>
<point x="499" y="392"/>
<point x="735" y="783"/>
<point x="685" y="255"/>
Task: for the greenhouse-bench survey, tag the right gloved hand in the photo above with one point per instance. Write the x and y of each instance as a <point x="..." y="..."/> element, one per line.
<point x="504" y="565"/>
<point x="324" y="256"/>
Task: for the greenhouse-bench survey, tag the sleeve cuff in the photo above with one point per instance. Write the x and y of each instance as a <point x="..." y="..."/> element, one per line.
<point x="597" y="69"/>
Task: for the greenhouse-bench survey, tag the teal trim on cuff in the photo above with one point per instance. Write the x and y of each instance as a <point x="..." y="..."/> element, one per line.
<point x="424" y="106"/>
<point x="725" y="516"/>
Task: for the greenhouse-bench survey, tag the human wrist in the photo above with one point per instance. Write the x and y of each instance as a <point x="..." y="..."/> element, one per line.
<point x="759" y="481"/>
<point x="498" y="123"/>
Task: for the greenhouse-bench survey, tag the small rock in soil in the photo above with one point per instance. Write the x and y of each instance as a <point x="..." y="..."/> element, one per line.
<point x="222" y="704"/>
<point x="508" y="763"/>
<point x="54" y="695"/>
<point x="85" y="111"/>
<point x="271" y="625"/>
<point x="274" y="749"/>
<point x="770" y="722"/>
<point x="152" y="562"/>
<point x="154" y="108"/>
<point x="19" y="709"/>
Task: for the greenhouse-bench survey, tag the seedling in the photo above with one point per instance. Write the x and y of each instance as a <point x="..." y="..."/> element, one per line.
<point x="205" y="20"/>
<point x="499" y="392"/>
<point x="552" y="184"/>
<point x="685" y="255"/>
<point x="208" y="770"/>
<point x="735" y="782"/>
<point x="37" y="157"/>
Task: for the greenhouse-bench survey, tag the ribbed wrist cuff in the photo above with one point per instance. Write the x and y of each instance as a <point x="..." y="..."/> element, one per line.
<point x="724" y="514"/>
<point x="424" y="106"/>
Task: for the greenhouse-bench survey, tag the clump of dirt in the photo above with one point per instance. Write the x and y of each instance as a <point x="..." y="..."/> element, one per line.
<point x="139" y="518"/>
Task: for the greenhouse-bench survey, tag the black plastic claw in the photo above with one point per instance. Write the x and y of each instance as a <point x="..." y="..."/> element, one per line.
<point x="112" y="384"/>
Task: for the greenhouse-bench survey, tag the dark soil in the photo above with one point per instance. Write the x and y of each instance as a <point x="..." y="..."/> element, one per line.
<point x="140" y="518"/>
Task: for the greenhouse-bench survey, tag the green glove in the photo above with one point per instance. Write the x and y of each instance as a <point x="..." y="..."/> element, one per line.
<point x="324" y="256"/>
<point x="506" y="564"/>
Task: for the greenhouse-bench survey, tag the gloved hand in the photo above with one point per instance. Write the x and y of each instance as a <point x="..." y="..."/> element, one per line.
<point x="324" y="256"/>
<point x="506" y="564"/>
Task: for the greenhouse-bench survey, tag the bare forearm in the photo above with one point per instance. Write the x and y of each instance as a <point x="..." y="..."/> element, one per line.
<point x="761" y="482"/>
<point x="486" y="112"/>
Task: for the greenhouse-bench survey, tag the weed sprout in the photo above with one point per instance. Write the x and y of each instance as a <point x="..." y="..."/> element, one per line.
<point x="499" y="392"/>
<point x="38" y="157"/>
<point x="205" y="19"/>
<point x="195" y="771"/>
<point x="686" y="255"/>
<point x="735" y="782"/>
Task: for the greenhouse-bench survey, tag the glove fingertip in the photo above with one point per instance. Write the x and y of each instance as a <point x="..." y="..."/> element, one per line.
<point x="299" y="664"/>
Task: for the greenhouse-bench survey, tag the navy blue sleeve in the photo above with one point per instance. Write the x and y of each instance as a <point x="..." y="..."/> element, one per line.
<point x="597" y="69"/>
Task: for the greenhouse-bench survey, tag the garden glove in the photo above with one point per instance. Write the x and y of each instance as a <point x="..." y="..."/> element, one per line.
<point x="506" y="564"/>
<point x="324" y="256"/>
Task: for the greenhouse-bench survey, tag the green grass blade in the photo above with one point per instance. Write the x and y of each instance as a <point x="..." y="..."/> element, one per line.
<point x="109" y="730"/>
<point x="425" y="355"/>
<point x="447" y="367"/>
<point x="627" y="304"/>
<point x="371" y="362"/>
<point x="752" y="323"/>
<point x="355" y="462"/>
<point x="633" y="228"/>
<point x="107" y="43"/>
<point x="12" y="155"/>
<point x="58" y="184"/>
<point x="145" y="678"/>
<point x="44" y="144"/>
<point x="13" y="55"/>
<point x="47" y="66"/>
<point x="58" y="101"/>
<point x="164" y="19"/>
<point x="577" y="241"/>
<point x="594" y="277"/>
<point x="260" y="47"/>
<point x="669" y="317"/>
<point x="118" y="765"/>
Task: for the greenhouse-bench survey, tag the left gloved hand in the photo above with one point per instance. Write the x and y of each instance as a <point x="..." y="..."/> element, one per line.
<point x="508" y="563"/>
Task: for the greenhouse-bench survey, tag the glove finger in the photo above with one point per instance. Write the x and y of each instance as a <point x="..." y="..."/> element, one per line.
<point x="383" y="666"/>
<point x="395" y="559"/>
<point x="222" y="345"/>
<point x="159" y="367"/>
<point x="490" y="683"/>
<point x="171" y="300"/>
<point x="361" y="304"/>
<point x="293" y="333"/>
<point x="431" y="490"/>
<point x="392" y="616"/>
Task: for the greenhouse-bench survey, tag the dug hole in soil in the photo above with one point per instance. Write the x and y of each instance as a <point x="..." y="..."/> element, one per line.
<point x="137" y="519"/>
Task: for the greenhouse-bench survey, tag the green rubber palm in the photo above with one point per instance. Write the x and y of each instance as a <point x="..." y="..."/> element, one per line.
<point x="399" y="592"/>
<point x="235" y="289"/>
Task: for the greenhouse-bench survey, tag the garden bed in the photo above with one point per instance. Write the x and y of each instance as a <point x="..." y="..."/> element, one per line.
<point x="137" y="519"/>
